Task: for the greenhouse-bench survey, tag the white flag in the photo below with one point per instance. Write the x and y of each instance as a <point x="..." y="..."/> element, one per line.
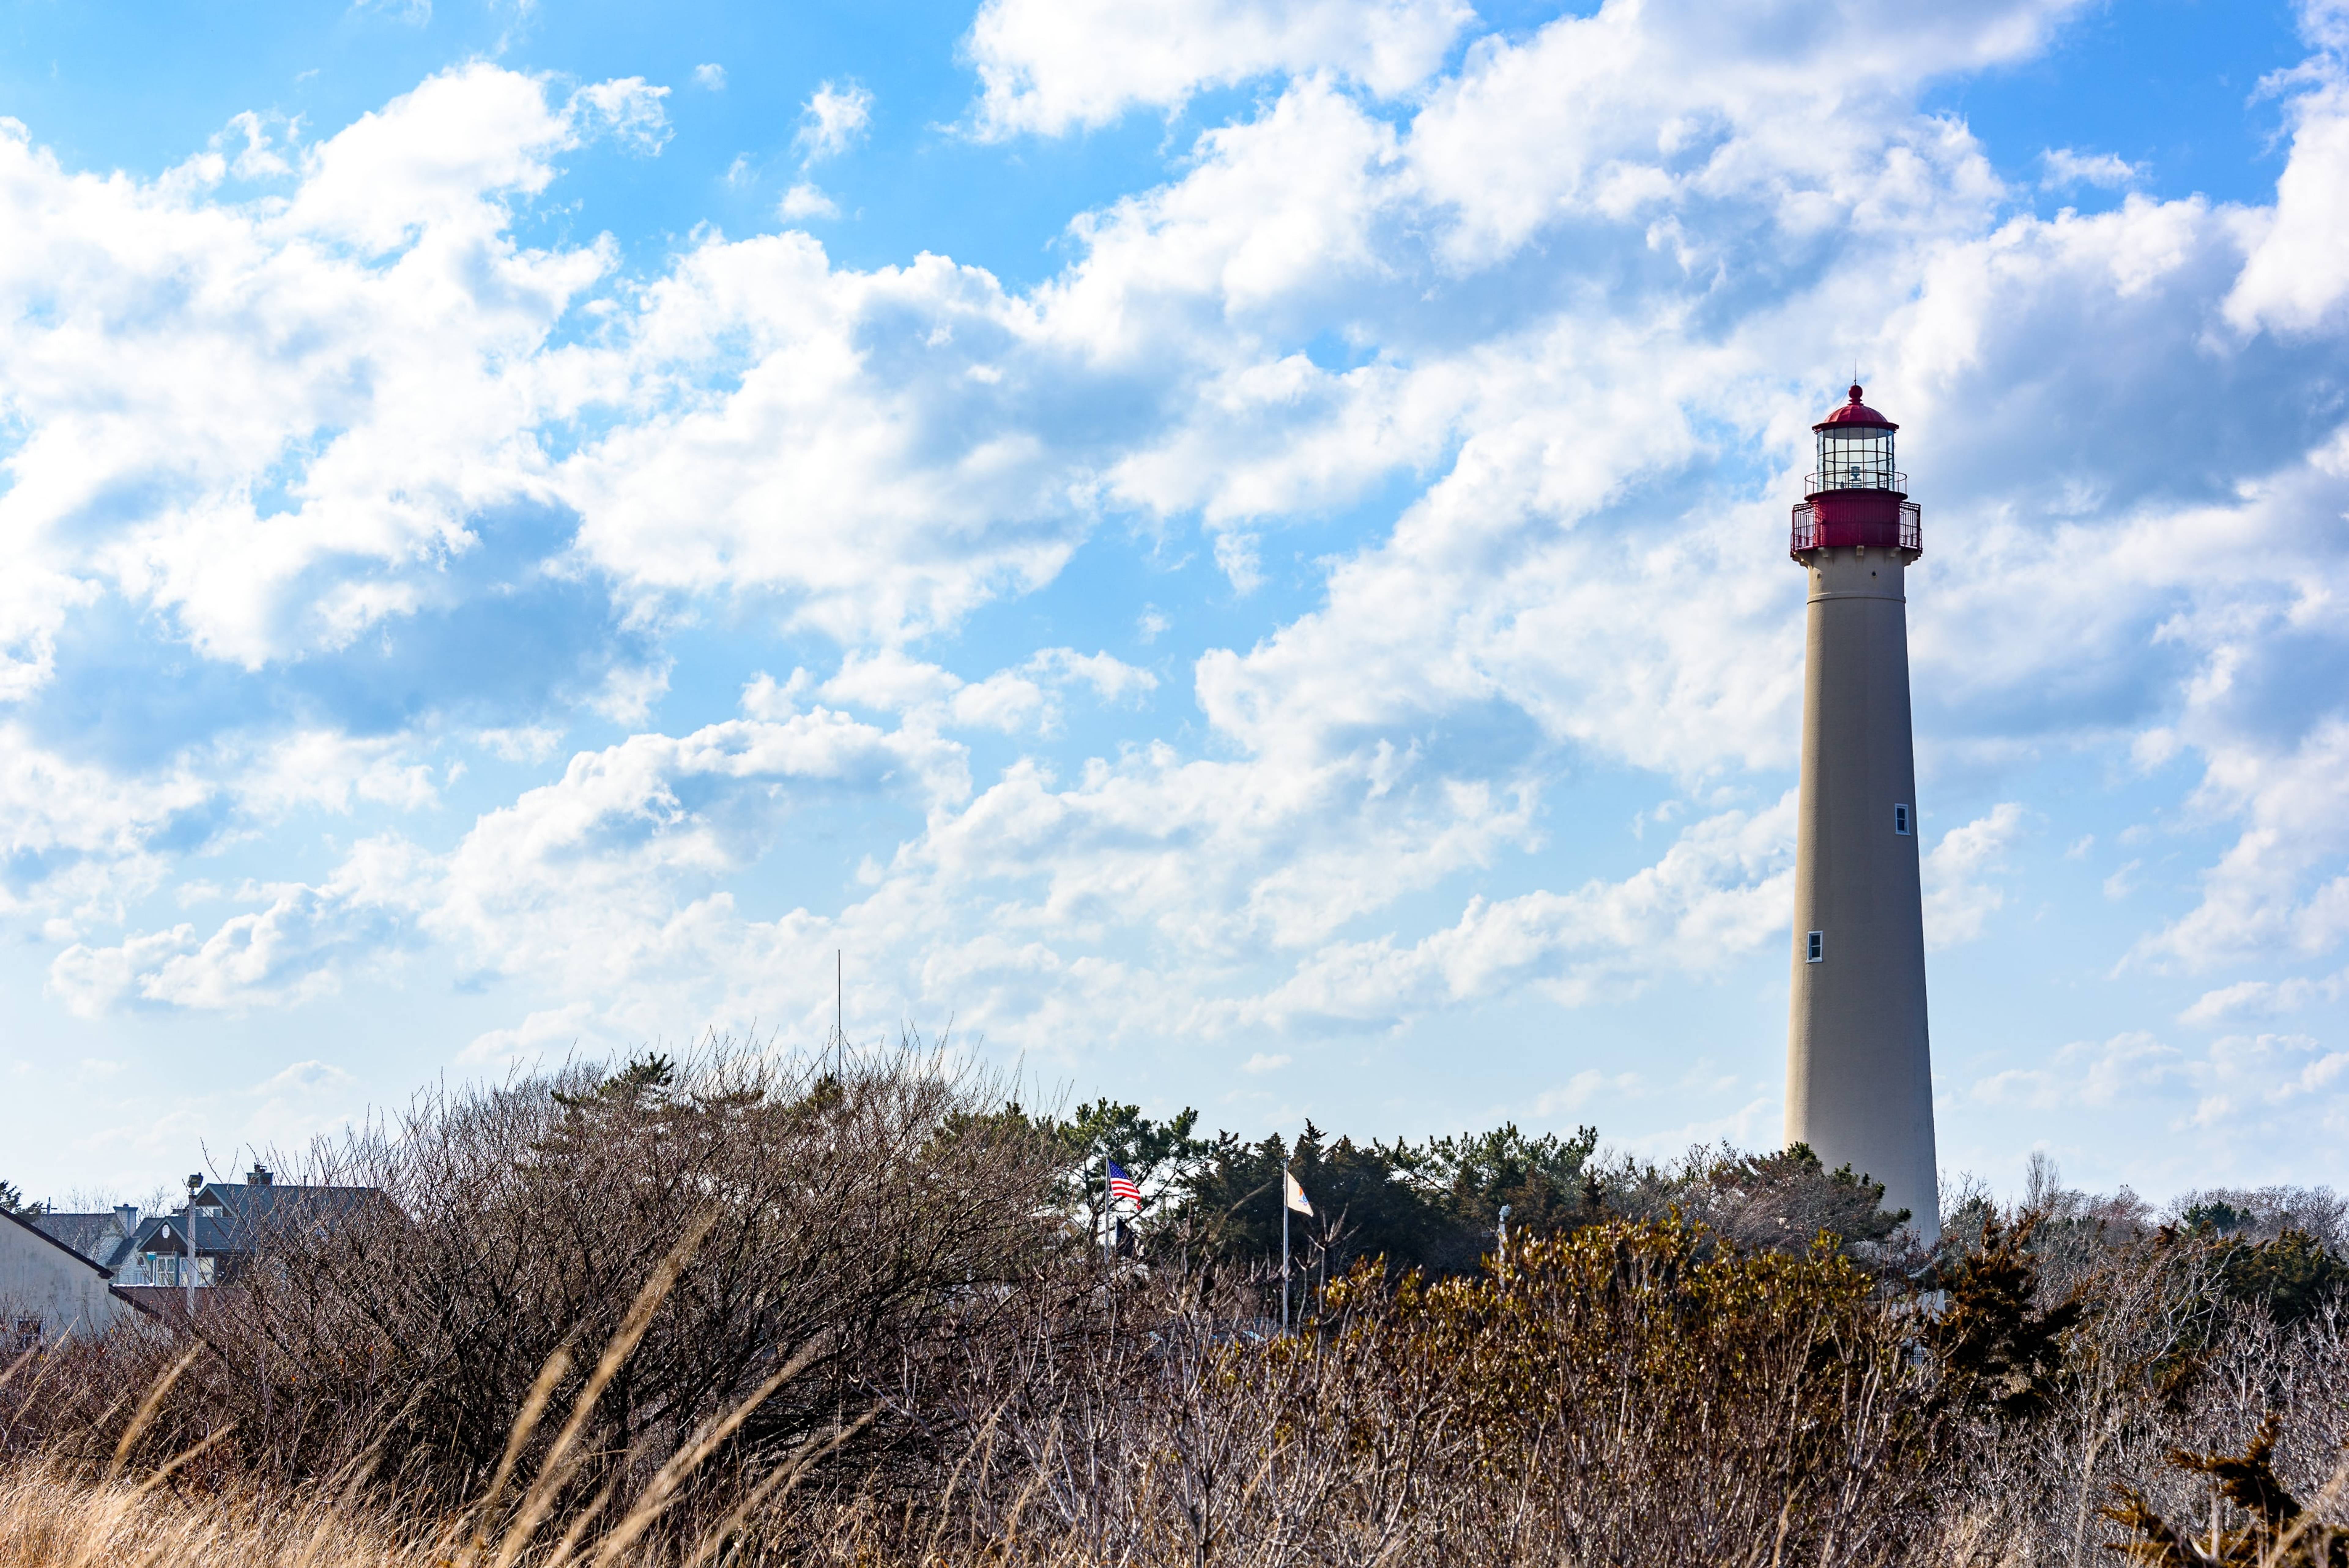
<point x="1297" y="1199"/>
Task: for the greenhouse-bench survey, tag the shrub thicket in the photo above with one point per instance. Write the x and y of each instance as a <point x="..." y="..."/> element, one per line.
<point x="859" y="1311"/>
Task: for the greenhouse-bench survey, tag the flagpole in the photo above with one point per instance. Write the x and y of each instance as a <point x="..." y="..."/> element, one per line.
<point x="1284" y="1246"/>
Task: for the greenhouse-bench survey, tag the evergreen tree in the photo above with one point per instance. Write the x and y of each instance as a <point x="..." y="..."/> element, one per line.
<point x="1998" y="1350"/>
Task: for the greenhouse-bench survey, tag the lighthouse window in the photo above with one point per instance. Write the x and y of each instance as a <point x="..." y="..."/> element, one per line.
<point x="1900" y="820"/>
<point x="1855" y="457"/>
<point x="1817" y="949"/>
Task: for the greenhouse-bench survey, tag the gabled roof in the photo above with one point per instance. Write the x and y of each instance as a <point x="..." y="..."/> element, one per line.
<point x="257" y="1200"/>
<point x="101" y="1238"/>
<point x="32" y="1228"/>
<point x="167" y="1233"/>
<point x="247" y="1209"/>
<point x="88" y="1234"/>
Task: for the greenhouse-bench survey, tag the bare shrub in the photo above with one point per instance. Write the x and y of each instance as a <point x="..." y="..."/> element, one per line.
<point x="864" y="1225"/>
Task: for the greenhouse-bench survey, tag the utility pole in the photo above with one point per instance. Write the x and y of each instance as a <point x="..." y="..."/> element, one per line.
<point x="196" y="1183"/>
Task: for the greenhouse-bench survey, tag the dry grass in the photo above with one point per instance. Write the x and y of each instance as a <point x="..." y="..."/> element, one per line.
<point x="53" y="1518"/>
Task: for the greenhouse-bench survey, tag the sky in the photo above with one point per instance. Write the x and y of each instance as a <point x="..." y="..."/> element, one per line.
<point x="1225" y="553"/>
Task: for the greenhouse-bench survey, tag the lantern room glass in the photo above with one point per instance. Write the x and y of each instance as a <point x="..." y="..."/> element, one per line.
<point x="1855" y="457"/>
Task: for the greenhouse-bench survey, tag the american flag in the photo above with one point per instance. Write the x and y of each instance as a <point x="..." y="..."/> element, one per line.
<point x="1122" y="1185"/>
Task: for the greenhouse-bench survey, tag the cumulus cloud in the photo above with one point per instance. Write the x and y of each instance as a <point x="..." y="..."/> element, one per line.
<point x="1720" y="892"/>
<point x="2063" y="167"/>
<point x="2296" y="277"/>
<point x="2235" y="1105"/>
<point x="1959" y="892"/>
<point x="2261" y="999"/>
<point x="834" y="120"/>
<point x="630" y="111"/>
<point x="291" y="950"/>
<point x="1056" y="68"/>
<point x="808" y="200"/>
<point x="577" y="879"/>
<point x="303" y="429"/>
<point x="2276" y="888"/>
<point x="2086" y="1073"/>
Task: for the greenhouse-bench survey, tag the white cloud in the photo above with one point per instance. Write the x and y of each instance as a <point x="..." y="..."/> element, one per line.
<point x="2066" y="168"/>
<point x="2277" y="887"/>
<point x="807" y="201"/>
<point x="312" y="397"/>
<point x="764" y="697"/>
<point x="2128" y="1065"/>
<point x="769" y="450"/>
<point x="548" y="1034"/>
<point x="75" y="837"/>
<point x="520" y="743"/>
<point x="711" y="77"/>
<point x="890" y="681"/>
<point x="2297" y="275"/>
<point x="1261" y="1063"/>
<point x="1720" y="890"/>
<point x="834" y="120"/>
<point x="2246" y="1100"/>
<point x="291" y="952"/>
<point x="1959" y="894"/>
<point x="1112" y="679"/>
<point x="631" y="111"/>
<point x="2261" y="999"/>
<point x="577" y="879"/>
<point x="1079" y="64"/>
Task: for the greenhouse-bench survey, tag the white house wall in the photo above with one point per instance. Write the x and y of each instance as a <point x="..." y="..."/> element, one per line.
<point x="40" y="1278"/>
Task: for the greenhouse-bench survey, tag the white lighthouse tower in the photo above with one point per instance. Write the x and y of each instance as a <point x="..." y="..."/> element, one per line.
<point x="1860" y="1072"/>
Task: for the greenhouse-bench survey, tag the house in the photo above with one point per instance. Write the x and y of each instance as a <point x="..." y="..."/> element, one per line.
<point x="88" y="1234"/>
<point x="230" y="1222"/>
<point x="49" y="1291"/>
<point x="150" y="1260"/>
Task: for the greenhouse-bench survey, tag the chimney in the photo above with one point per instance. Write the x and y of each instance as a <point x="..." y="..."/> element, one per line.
<point x="127" y="1216"/>
<point x="258" y="1176"/>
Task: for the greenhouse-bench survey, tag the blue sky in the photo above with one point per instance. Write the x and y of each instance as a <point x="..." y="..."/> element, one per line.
<point x="1230" y="551"/>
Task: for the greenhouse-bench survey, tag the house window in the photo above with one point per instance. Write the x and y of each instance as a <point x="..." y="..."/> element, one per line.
<point x="1900" y="820"/>
<point x="1816" y="949"/>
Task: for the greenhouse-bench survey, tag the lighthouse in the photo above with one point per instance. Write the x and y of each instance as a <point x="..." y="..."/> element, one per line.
<point x="1859" y="1073"/>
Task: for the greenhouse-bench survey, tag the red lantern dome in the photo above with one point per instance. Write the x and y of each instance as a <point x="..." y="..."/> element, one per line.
<point x="1855" y="412"/>
<point x="1855" y="498"/>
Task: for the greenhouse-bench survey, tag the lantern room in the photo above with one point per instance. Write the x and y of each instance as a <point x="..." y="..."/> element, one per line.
<point x="1856" y="497"/>
<point x="1856" y="449"/>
